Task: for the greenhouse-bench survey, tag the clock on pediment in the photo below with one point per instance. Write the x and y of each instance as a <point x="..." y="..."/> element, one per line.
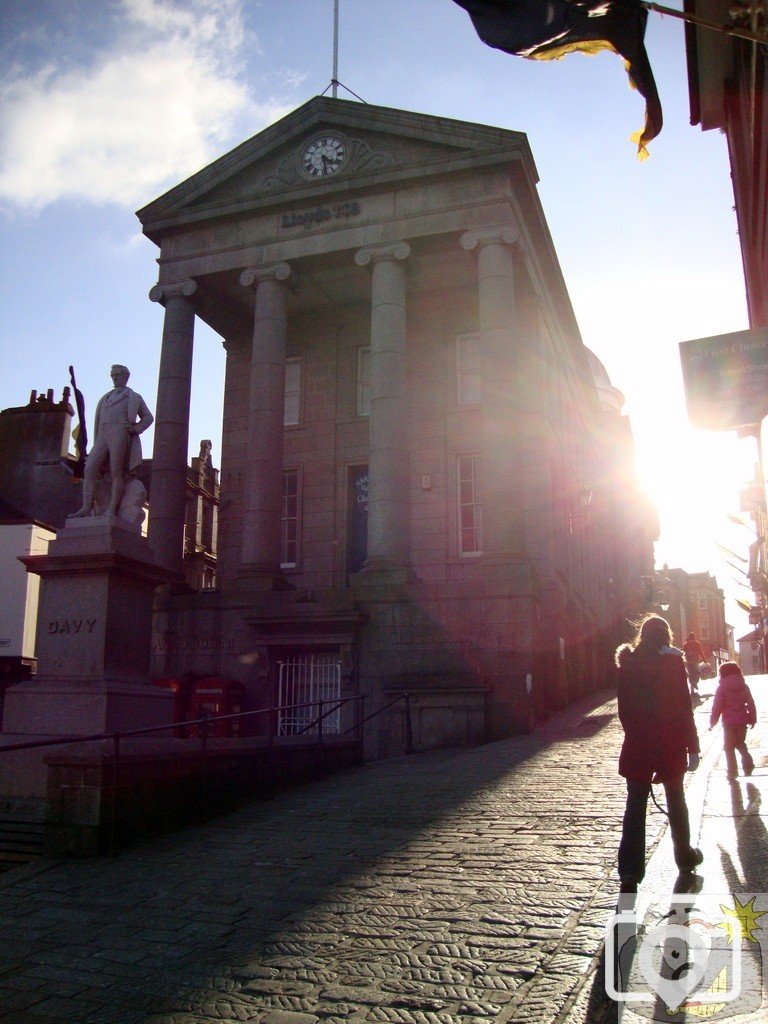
<point x="323" y="156"/>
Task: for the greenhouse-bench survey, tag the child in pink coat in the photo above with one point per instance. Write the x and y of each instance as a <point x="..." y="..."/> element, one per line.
<point x="733" y="701"/>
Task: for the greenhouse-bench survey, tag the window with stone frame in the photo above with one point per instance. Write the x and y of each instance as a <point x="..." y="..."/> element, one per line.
<point x="289" y="526"/>
<point x="292" y="396"/>
<point x="364" y="381"/>
<point x="468" y="370"/>
<point x="469" y="512"/>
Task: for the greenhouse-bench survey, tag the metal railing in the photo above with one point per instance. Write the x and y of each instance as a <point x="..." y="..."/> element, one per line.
<point x="207" y="719"/>
<point x="325" y="708"/>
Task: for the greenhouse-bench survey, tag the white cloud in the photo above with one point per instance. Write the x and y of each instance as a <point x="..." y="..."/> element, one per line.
<point x="161" y="102"/>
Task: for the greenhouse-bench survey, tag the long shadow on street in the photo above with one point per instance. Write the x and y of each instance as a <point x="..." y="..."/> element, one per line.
<point x="440" y="885"/>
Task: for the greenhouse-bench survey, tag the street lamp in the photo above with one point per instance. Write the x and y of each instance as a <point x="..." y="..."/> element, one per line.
<point x="657" y="597"/>
<point x="584" y="497"/>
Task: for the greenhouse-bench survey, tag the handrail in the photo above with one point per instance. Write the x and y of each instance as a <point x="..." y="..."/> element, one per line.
<point x="358" y="700"/>
<point x="205" y="720"/>
<point x="400" y="696"/>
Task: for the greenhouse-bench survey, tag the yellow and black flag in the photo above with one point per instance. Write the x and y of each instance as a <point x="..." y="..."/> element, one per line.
<point x="549" y="29"/>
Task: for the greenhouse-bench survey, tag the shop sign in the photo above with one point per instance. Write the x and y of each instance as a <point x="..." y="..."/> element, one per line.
<point x="726" y="379"/>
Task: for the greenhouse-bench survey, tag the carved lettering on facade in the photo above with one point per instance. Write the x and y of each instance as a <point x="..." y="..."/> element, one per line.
<point x="409" y="638"/>
<point x="193" y="643"/>
<point x="71" y="626"/>
<point x="320" y="215"/>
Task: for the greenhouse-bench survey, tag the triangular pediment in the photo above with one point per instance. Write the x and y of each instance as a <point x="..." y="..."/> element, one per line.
<point x="368" y="146"/>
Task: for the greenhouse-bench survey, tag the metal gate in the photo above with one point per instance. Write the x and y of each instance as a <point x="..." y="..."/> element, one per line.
<point x="306" y="679"/>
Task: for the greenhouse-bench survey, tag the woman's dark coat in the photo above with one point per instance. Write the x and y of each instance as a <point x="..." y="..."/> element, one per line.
<point x="655" y="711"/>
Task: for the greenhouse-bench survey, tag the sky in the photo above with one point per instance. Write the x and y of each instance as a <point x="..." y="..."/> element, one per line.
<point x="106" y="104"/>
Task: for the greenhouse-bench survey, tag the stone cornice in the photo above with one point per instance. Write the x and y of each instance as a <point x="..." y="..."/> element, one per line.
<point x="90" y="562"/>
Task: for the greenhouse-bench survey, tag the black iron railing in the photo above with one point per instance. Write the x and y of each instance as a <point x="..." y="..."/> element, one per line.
<point x="315" y="727"/>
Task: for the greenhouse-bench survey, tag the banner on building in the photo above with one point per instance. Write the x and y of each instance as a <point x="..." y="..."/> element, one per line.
<point x="726" y="379"/>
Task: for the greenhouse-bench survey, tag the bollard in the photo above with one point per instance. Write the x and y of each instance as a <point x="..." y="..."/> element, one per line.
<point x="113" y="801"/>
<point x="408" y="724"/>
<point x="204" y="757"/>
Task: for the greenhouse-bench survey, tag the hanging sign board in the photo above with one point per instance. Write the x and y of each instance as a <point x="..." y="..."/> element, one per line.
<point x="726" y="379"/>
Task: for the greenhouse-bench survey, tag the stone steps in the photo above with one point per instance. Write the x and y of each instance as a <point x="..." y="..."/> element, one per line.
<point x="20" y="842"/>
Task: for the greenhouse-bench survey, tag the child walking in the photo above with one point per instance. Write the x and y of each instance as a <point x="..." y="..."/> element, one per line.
<point x="733" y="701"/>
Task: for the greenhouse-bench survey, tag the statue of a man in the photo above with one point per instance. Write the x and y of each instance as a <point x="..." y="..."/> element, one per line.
<point x="121" y="416"/>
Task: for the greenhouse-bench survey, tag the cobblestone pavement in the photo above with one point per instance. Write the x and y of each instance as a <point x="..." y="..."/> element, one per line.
<point x="455" y="887"/>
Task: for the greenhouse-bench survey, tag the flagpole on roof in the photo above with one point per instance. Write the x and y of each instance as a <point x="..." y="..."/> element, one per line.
<point x="335" y="78"/>
<point x="717" y="26"/>
<point x="335" y="83"/>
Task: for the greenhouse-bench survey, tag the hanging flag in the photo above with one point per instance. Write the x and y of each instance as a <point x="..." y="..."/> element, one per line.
<point x="549" y="29"/>
<point x="80" y="433"/>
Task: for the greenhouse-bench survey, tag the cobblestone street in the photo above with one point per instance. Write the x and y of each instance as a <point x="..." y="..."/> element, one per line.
<point x="443" y="888"/>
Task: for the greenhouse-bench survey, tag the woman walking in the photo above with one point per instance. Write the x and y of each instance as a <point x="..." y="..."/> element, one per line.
<point x="660" y="744"/>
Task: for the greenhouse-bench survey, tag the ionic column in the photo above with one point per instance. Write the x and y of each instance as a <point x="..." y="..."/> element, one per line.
<point x="263" y="495"/>
<point x="500" y="497"/>
<point x="234" y="455"/>
<point x="169" y="456"/>
<point x="388" y="464"/>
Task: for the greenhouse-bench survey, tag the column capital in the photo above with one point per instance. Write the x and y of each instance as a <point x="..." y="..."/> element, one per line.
<point x="502" y="234"/>
<point x="234" y="342"/>
<point x="180" y="289"/>
<point x="251" y="276"/>
<point x="375" y="253"/>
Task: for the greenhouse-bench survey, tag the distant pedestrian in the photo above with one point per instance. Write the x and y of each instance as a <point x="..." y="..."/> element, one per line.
<point x="694" y="656"/>
<point x="660" y="744"/>
<point x="735" y="704"/>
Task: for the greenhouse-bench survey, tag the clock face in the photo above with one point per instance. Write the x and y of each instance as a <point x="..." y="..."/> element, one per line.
<point x="323" y="156"/>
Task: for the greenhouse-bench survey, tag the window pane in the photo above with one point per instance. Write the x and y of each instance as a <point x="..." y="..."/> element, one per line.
<point x="289" y="534"/>
<point x="468" y="376"/>
<point x="469" y="536"/>
<point x="364" y="382"/>
<point x="292" y="396"/>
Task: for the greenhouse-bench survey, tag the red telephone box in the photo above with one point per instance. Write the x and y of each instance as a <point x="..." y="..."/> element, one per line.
<point x="180" y="693"/>
<point x="217" y="696"/>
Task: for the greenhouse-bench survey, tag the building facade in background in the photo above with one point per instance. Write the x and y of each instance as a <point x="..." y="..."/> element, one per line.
<point x="201" y="522"/>
<point x="37" y="471"/>
<point x="728" y="88"/>
<point x="693" y="603"/>
<point x="427" y="483"/>
<point x="750" y="653"/>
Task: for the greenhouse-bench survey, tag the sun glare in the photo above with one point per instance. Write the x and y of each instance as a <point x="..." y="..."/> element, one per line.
<point x="695" y="479"/>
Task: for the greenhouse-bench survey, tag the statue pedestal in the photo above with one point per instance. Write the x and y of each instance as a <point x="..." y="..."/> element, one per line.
<point x="94" y="630"/>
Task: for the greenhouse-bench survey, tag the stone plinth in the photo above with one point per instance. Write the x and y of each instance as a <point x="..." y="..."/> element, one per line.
<point x="93" y="640"/>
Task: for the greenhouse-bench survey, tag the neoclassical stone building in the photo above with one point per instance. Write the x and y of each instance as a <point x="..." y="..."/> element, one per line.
<point x="409" y="420"/>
